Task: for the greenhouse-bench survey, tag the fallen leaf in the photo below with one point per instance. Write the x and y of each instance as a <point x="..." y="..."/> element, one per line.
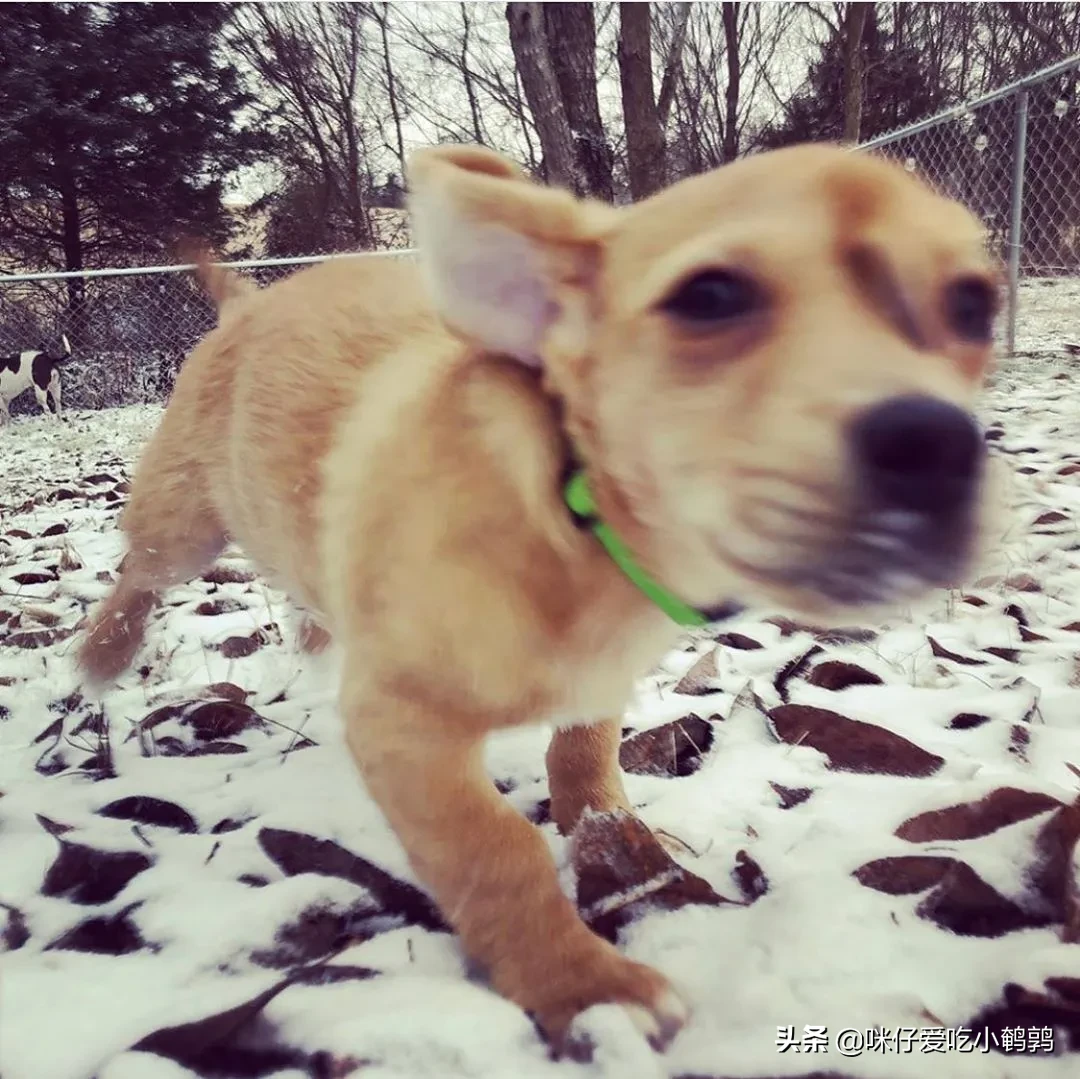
<point x="673" y="749"/>
<point x="319" y="931"/>
<point x="791" y="796"/>
<point x="87" y="875"/>
<point x="623" y="870"/>
<point x="1024" y="1011"/>
<point x="942" y="652"/>
<point x="904" y="875"/>
<point x="970" y="820"/>
<point x="697" y="682"/>
<point x="148" y="810"/>
<point x="966" y="720"/>
<point x="850" y="745"/>
<point x="793" y="669"/>
<point x="109" y="934"/>
<point x="836" y="675"/>
<point x="295" y="852"/>
<point x="739" y="641"/>
<point x="14" y="933"/>
<point x="749" y="875"/>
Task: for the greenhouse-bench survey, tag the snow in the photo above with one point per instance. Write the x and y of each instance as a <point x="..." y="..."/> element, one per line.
<point x="213" y="919"/>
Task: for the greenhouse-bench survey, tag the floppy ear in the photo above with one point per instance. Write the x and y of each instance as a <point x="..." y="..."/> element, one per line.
<point x="498" y="251"/>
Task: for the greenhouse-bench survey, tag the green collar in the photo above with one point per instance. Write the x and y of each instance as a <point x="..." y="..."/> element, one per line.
<point x="579" y="500"/>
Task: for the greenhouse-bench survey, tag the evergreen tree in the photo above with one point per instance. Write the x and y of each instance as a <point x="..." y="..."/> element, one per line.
<point x="118" y="126"/>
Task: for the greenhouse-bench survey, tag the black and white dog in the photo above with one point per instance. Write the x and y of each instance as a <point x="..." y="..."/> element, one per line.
<point x="33" y="367"/>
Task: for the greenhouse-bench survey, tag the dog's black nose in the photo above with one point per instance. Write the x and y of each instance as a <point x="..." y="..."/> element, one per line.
<point x="918" y="453"/>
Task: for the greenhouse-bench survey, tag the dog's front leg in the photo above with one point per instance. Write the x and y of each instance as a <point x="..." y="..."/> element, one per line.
<point x="493" y="875"/>
<point x="583" y="772"/>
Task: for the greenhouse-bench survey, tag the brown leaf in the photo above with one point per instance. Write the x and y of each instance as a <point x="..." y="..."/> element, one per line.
<point x="791" y="796"/>
<point x="34" y="577"/>
<point x="219" y="605"/>
<point x="87" y="875"/>
<point x="738" y="641"/>
<point x="1052" y="875"/>
<point x="970" y="820"/>
<point x="836" y="675"/>
<point x="225" y="574"/>
<point x="846" y="635"/>
<point x="966" y="720"/>
<point x="1022" y="582"/>
<point x="221" y="719"/>
<point x="38" y="638"/>
<point x="966" y="905"/>
<point x="1052" y="517"/>
<point x="961" y="901"/>
<point x="674" y="749"/>
<point x="942" y="652"/>
<point x="904" y="875"/>
<point x="240" y="647"/>
<point x="295" y="852"/>
<point x="1021" y="1010"/>
<point x="852" y="746"/>
<point x="1010" y="655"/>
<point x="793" y="669"/>
<point x="749" y="875"/>
<point x="622" y="870"/>
<point x="69" y="561"/>
<point x="697" y="682"/>
<point x="1019" y="740"/>
<point x="1066" y="987"/>
<point x="227" y="691"/>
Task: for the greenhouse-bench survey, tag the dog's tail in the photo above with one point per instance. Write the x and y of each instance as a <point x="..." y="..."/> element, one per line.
<point x="223" y="286"/>
<point x="66" y="354"/>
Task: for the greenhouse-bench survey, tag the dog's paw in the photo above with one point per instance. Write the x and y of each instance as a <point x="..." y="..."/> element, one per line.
<point x="644" y="995"/>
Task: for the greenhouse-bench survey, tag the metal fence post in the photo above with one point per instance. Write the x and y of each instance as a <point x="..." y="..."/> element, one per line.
<point x="1016" y="224"/>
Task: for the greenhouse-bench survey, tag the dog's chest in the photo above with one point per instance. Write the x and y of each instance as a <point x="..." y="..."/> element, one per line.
<point x="15" y="374"/>
<point x="597" y="683"/>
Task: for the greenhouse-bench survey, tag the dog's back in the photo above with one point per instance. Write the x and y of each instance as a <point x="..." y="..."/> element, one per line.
<point x="267" y="388"/>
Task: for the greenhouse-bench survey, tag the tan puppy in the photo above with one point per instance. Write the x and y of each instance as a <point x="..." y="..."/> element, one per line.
<point x="766" y="372"/>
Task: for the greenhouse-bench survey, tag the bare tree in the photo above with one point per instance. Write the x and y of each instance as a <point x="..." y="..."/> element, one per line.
<point x="311" y="57"/>
<point x="852" y="30"/>
<point x="646" y="167"/>
<point x="727" y="70"/>
<point x="381" y="14"/>
<point x="538" y="79"/>
<point x="571" y="37"/>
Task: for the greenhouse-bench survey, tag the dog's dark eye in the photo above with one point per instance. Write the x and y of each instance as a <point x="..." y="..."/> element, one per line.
<point x="714" y="296"/>
<point x="970" y="307"/>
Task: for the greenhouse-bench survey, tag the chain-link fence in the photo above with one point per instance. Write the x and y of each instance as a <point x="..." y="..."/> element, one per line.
<point x="1013" y="157"/>
<point x="129" y="330"/>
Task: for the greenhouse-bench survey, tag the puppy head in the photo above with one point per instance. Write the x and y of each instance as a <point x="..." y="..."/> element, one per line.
<point x="769" y="369"/>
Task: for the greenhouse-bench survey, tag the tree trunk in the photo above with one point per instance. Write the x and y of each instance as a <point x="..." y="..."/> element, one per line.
<point x="570" y="30"/>
<point x="470" y="92"/>
<point x="538" y="80"/>
<point x="71" y="213"/>
<point x="730" y="16"/>
<point x="855" y="16"/>
<point x="673" y="66"/>
<point x="391" y="89"/>
<point x="644" y="137"/>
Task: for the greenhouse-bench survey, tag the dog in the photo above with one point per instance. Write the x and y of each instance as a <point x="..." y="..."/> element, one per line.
<point x="32" y="367"/>
<point x="511" y="472"/>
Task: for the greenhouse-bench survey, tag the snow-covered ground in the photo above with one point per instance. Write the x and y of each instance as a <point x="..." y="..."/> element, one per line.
<point x="193" y="881"/>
